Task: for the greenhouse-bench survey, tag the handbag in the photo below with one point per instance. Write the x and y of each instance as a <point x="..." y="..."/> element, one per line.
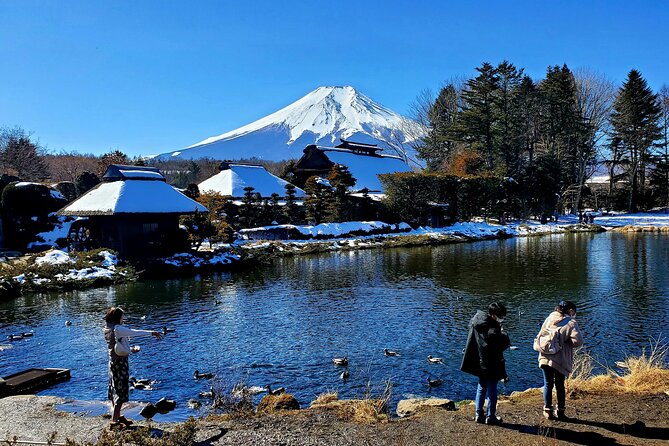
<point x="120" y="348"/>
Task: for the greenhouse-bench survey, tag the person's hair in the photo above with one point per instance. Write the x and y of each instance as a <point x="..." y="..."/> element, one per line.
<point x="113" y="315"/>
<point x="497" y="309"/>
<point x="564" y="306"/>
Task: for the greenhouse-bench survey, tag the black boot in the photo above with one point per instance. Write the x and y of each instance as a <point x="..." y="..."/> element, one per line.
<point x="561" y="415"/>
<point x="480" y="417"/>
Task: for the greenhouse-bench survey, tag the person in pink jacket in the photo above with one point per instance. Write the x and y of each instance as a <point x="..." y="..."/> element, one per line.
<point x="557" y="366"/>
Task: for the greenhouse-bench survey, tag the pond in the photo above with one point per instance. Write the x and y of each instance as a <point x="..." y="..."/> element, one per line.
<point x="282" y="324"/>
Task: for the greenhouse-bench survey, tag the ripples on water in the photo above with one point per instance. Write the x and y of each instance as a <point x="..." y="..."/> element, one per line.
<point x="299" y="313"/>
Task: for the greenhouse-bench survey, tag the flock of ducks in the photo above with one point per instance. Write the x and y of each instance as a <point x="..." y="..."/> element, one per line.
<point x="343" y="362"/>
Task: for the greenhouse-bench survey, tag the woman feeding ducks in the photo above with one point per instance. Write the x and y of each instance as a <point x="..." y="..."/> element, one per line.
<point x="118" y="348"/>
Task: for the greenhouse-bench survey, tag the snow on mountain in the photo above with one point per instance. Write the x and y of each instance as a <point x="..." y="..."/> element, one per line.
<point x="321" y="117"/>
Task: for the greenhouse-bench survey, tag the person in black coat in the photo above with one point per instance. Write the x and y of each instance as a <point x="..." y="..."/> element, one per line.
<point x="484" y="358"/>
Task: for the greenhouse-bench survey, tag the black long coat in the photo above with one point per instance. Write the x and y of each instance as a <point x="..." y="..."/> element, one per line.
<point x="484" y="353"/>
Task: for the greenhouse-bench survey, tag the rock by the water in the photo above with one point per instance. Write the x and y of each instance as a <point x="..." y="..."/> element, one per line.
<point x="410" y="407"/>
<point x="148" y="411"/>
<point x="164" y="405"/>
<point x="277" y="403"/>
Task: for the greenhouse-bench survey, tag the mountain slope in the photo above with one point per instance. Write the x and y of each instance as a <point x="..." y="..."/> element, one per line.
<point x="321" y="117"/>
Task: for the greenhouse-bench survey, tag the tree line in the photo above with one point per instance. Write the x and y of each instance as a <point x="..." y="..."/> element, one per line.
<point x="550" y="136"/>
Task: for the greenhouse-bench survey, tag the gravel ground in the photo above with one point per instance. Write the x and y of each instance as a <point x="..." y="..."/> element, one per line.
<point x="598" y="420"/>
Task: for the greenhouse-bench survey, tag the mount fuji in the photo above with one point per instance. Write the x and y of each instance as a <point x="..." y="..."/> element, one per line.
<point x="321" y="117"/>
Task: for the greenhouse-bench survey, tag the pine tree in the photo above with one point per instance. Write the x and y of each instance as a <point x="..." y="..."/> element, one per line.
<point x="440" y="143"/>
<point x="291" y="210"/>
<point x="635" y="121"/>
<point x="339" y="206"/>
<point x="316" y="203"/>
<point x="476" y="122"/>
<point x="248" y="213"/>
<point x="507" y="124"/>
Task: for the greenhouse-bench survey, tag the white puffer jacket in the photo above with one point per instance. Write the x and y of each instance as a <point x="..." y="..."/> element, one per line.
<point x="562" y="361"/>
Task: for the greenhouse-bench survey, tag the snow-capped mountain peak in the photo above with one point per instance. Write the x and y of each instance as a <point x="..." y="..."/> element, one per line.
<point x="321" y="117"/>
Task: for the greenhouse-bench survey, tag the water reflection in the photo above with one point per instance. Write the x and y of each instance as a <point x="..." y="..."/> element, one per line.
<point x="300" y="312"/>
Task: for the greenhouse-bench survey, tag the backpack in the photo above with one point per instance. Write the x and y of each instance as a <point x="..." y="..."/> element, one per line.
<point x="548" y="341"/>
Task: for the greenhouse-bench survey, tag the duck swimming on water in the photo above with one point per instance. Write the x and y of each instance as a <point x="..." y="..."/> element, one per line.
<point x="275" y="392"/>
<point x="197" y="375"/>
<point x="435" y="382"/>
<point x="340" y="361"/>
<point x="434" y="360"/>
<point x="390" y="352"/>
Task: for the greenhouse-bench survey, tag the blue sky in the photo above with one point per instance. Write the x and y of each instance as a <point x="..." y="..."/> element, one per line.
<point x="150" y="76"/>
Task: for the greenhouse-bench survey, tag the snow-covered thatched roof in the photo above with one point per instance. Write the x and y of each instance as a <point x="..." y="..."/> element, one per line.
<point x="233" y="178"/>
<point x="365" y="168"/>
<point x="132" y="191"/>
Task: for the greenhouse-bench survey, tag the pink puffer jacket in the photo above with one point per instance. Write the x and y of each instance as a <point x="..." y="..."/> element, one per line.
<point x="562" y="361"/>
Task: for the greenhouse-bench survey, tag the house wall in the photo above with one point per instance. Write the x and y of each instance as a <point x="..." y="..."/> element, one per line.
<point x="142" y="235"/>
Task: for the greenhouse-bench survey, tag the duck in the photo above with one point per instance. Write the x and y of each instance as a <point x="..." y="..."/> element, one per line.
<point x="390" y="352"/>
<point x="68" y="323"/>
<point x="167" y="330"/>
<point x="513" y="347"/>
<point x="344" y="375"/>
<point x="197" y="375"/>
<point x="435" y="382"/>
<point x="340" y="361"/>
<point x="207" y="394"/>
<point x="141" y="384"/>
<point x="15" y="337"/>
<point x="28" y="334"/>
<point x="275" y="392"/>
<point x="194" y="404"/>
<point x="434" y="360"/>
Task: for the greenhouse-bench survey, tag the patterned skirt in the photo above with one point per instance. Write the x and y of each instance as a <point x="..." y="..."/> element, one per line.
<point x="117" y="389"/>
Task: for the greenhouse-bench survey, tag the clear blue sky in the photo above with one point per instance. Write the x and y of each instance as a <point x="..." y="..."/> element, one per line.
<point x="150" y="76"/>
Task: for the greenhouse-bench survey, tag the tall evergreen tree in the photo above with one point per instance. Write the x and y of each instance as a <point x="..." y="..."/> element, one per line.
<point x="341" y="180"/>
<point x="439" y="143"/>
<point x="316" y="203"/>
<point x="507" y="139"/>
<point x="476" y="122"/>
<point x="291" y="210"/>
<point x="635" y="121"/>
<point x="248" y="211"/>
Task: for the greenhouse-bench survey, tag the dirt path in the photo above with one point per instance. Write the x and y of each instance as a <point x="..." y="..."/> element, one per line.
<point x="598" y="420"/>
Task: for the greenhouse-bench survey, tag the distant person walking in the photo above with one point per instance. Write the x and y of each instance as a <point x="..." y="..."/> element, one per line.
<point x="118" y="348"/>
<point x="484" y="357"/>
<point x="558" y="338"/>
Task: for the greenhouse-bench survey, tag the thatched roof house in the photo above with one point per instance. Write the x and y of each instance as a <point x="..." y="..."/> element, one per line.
<point x="234" y="177"/>
<point x="133" y="211"/>
<point x="363" y="161"/>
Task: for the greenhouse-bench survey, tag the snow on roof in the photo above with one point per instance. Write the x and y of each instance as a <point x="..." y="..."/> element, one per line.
<point x="135" y="174"/>
<point x="232" y="181"/>
<point x="365" y="168"/>
<point x="132" y="197"/>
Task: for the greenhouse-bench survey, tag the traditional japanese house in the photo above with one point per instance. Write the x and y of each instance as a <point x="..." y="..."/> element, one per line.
<point x="234" y="177"/>
<point x="133" y="211"/>
<point x="363" y="161"/>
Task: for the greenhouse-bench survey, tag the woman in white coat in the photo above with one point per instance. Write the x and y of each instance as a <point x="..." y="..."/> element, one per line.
<point x="118" y="386"/>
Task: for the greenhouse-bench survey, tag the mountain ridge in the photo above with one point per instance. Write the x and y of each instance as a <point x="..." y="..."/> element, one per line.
<point x="322" y="116"/>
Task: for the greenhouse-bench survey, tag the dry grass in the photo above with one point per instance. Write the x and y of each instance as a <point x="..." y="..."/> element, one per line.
<point x="643" y="374"/>
<point x="270" y="404"/>
<point x="358" y="411"/>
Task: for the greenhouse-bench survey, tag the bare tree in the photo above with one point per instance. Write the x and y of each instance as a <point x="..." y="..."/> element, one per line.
<point x="20" y="156"/>
<point x="595" y="94"/>
<point x="67" y="166"/>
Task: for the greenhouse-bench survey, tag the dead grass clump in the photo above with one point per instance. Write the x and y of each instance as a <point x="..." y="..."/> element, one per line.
<point x="325" y="398"/>
<point x="277" y="403"/>
<point x="643" y="374"/>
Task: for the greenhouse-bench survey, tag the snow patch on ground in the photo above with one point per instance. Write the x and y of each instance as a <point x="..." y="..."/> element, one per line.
<point x="94" y="272"/>
<point x="59" y="231"/>
<point x="55" y="257"/>
<point x="333" y="229"/>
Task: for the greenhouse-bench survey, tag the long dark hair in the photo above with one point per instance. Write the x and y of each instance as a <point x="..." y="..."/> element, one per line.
<point x="114" y="315"/>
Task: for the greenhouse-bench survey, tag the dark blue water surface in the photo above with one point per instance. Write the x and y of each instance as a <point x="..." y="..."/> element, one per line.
<point x="282" y="324"/>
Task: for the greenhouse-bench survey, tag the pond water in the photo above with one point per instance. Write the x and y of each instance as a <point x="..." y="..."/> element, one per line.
<point x="282" y="324"/>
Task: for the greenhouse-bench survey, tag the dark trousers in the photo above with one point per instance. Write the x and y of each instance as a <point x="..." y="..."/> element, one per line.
<point x="553" y="378"/>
